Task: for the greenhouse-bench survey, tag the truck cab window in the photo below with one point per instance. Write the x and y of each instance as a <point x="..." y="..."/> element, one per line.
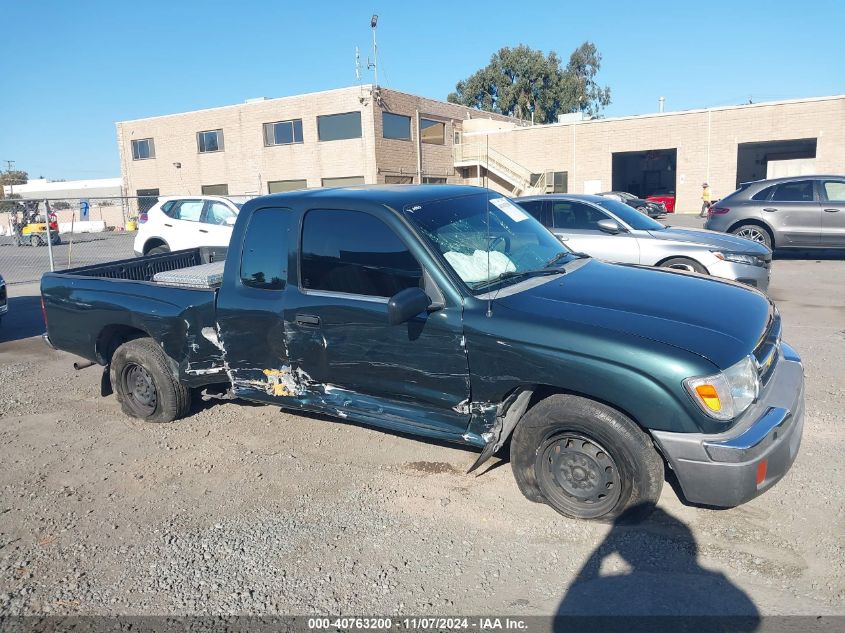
<point x="355" y="253"/>
<point x="264" y="263"/>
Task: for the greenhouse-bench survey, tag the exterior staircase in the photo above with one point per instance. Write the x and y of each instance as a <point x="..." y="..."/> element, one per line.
<point x="523" y="182"/>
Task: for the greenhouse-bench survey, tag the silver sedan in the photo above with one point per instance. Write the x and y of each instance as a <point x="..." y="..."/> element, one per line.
<point x="611" y="230"/>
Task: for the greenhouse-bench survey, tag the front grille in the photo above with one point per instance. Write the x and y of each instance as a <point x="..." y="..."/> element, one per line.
<point x="767" y="351"/>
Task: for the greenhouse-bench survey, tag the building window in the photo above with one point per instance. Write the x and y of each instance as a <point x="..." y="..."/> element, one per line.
<point x="215" y="190"/>
<point x="283" y="132"/>
<point x="210" y="141"/>
<point x="264" y="262"/>
<point x="433" y="132"/>
<point x="334" y="127"/>
<point x="398" y="180"/>
<point x="344" y="181"/>
<point x="355" y="253"/>
<point x="279" y="186"/>
<point x="143" y="148"/>
<point x="396" y="126"/>
<point x="560" y="182"/>
<point x="146" y="199"/>
<point x="433" y="180"/>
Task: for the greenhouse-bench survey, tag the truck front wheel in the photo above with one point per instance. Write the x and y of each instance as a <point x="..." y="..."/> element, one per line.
<point x="144" y="385"/>
<point x="586" y="460"/>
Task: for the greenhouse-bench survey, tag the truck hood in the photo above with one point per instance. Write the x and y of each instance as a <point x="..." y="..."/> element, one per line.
<point x="719" y="320"/>
<point x="713" y="239"/>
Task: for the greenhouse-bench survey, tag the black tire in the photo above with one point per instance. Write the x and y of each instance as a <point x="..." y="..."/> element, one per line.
<point x="144" y="385"/>
<point x="158" y="249"/>
<point x="684" y="263"/>
<point x="755" y="233"/>
<point x="36" y="240"/>
<point x="586" y="460"/>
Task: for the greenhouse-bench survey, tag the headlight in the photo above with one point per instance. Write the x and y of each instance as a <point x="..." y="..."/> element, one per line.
<point x="739" y="258"/>
<point x="727" y="394"/>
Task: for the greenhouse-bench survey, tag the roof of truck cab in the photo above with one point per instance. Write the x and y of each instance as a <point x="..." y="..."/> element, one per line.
<point x="393" y="195"/>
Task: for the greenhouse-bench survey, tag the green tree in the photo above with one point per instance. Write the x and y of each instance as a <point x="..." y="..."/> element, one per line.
<point x="12" y="177"/>
<point x="521" y="81"/>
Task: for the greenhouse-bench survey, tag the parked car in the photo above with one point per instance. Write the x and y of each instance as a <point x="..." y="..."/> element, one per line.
<point x="651" y="209"/>
<point x="4" y="298"/>
<point x="795" y="212"/>
<point x="449" y="313"/>
<point x="665" y="197"/>
<point x="174" y="224"/>
<point x="611" y="230"/>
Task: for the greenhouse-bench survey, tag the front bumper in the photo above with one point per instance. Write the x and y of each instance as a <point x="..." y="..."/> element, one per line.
<point x="754" y="276"/>
<point x="730" y="468"/>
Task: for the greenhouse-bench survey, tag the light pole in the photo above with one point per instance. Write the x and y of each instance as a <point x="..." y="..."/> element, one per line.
<point x="373" y="23"/>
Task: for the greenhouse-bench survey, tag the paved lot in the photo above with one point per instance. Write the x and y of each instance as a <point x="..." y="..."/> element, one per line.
<point x="246" y="509"/>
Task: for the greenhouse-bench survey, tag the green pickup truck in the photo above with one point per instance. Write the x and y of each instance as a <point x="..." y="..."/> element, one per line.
<point x="450" y="313"/>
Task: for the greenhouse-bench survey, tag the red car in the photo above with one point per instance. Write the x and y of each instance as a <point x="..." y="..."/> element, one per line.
<point x="667" y="198"/>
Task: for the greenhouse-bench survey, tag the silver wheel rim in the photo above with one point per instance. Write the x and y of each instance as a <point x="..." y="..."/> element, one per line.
<point x="750" y="233"/>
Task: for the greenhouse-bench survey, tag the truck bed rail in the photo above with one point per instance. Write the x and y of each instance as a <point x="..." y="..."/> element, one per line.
<point x="145" y="268"/>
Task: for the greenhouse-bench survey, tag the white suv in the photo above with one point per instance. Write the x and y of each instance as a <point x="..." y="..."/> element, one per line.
<point x="173" y="224"/>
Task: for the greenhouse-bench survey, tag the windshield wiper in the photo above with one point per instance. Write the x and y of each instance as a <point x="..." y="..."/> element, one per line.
<point x="513" y="274"/>
<point x="554" y="260"/>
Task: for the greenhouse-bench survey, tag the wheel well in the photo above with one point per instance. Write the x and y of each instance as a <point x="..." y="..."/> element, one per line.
<point x="112" y="337"/>
<point x="759" y="223"/>
<point x="152" y="243"/>
<point x="666" y="259"/>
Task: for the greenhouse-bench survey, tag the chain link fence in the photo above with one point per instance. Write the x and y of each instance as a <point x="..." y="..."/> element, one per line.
<point x="83" y="231"/>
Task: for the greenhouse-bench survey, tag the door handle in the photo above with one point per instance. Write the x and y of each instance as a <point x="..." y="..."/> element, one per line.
<point x="308" y="320"/>
<point x="831" y="210"/>
<point x="203" y="231"/>
<point x="770" y="210"/>
<point x="168" y="225"/>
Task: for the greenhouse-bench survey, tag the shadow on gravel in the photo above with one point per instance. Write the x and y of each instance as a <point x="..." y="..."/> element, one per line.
<point x="23" y="320"/>
<point x="651" y="569"/>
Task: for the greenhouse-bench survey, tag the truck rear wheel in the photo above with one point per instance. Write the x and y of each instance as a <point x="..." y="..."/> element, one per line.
<point x="586" y="460"/>
<point x="144" y="385"/>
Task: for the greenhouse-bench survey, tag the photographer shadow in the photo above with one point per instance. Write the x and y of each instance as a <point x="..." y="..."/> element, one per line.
<point x="645" y="572"/>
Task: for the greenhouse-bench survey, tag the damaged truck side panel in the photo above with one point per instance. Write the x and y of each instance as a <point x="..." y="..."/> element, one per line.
<point x="381" y="306"/>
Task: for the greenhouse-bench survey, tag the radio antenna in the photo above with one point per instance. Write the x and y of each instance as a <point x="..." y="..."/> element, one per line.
<point x="357" y="65"/>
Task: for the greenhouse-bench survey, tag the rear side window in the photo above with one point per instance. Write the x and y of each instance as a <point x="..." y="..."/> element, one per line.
<point x="763" y="194"/>
<point x="535" y="208"/>
<point x="798" y="191"/>
<point x="576" y="216"/>
<point x="355" y="253"/>
<point x="218" y="213"/>
<point x="189" y="210"/>
<point x="264" y="262"/>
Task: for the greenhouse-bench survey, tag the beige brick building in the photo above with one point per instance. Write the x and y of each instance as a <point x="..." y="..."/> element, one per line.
<point x="672" y="151"/>
<point x="345" y="136"/>
<point x="367" y="135"/>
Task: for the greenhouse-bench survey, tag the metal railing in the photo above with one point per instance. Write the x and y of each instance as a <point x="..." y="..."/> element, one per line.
<point x="523" y="180"/>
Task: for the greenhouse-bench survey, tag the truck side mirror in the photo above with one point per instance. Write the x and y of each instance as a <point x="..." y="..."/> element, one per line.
<point x="406" y="304"/>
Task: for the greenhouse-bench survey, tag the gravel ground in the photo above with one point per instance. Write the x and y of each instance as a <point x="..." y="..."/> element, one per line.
<point x="243" y="509"/>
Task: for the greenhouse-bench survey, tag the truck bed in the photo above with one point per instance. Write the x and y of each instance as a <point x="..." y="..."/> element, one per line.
<point x="91" y="309"/>
<point x="148" y="267"/>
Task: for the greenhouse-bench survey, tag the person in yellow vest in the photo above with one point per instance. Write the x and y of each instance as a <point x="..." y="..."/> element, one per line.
<point x="705" y="200"/>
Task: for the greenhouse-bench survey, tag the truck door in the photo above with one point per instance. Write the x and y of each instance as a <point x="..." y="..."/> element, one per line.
<point x="351" y="263"/>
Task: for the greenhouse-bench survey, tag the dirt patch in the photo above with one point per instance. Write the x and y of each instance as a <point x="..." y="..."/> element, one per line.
<point x="432" y="468"/>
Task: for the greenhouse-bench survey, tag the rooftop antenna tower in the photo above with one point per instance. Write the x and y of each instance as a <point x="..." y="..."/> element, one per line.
<point x="373" y="65"/>
<point x="357" y="65"/>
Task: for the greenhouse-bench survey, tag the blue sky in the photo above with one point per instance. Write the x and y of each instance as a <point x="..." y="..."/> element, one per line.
<point x="72" y="68"/>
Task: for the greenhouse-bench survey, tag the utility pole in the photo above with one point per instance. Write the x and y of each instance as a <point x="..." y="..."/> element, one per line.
<point x="374" y="65"/>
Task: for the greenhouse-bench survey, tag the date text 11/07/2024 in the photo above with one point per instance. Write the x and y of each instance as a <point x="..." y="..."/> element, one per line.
<point x="434" y="623"/>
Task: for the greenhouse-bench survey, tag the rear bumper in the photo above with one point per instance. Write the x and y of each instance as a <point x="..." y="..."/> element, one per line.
<point x="754" y="276"/>
<point x="730" y="468"/>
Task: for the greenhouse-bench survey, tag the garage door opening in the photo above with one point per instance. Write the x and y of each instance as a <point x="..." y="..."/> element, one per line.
<point x="646" y="173"/>
<point x="775" y="159"/>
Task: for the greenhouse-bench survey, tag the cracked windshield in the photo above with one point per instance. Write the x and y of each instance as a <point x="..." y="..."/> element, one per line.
<point x="487" y="240"/>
